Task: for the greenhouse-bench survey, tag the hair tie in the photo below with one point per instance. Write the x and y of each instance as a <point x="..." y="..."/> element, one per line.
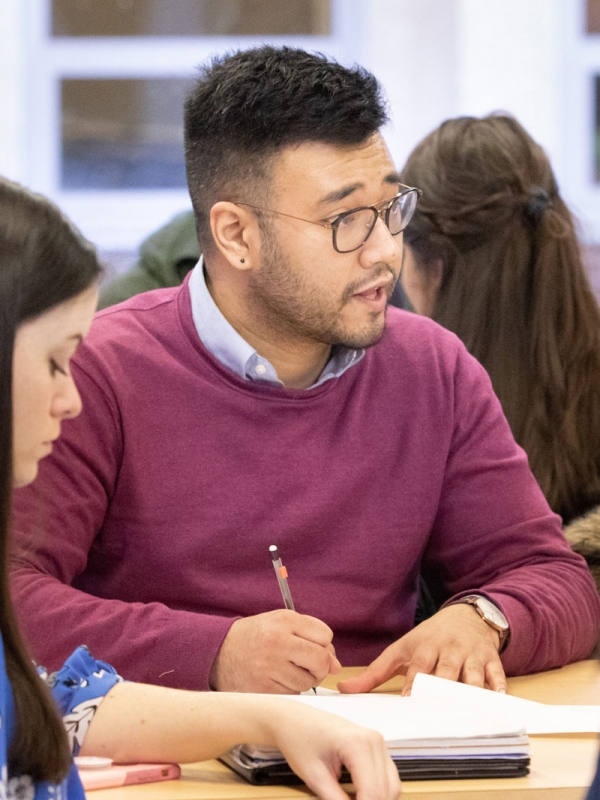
<point x="538" y="202"/>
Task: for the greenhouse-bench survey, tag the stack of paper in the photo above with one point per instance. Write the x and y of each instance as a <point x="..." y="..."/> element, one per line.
<point x="444" y="730"/>
<point x="425" y="739"/>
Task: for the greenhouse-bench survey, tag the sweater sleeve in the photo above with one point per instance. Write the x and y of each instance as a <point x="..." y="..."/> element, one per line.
<point x="495" y="535"/>
<point x="57" y="525"/>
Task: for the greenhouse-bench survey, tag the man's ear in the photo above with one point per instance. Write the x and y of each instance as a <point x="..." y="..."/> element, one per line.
<point x="235" y="233"/>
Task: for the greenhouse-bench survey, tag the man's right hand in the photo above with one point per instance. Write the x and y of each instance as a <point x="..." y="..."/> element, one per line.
<point x="280" y="652"/>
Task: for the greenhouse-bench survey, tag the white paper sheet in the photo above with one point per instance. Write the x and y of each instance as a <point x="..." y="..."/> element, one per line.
<point x="538" y="717"/>
<point x="411" y="719"/>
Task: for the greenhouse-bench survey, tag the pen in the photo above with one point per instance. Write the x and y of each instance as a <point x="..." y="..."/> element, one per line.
<point x="282" y="575"/>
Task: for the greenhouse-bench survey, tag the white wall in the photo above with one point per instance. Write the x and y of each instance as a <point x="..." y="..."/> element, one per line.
<point x="511" y="56"/>
<point x="410" y="45"/>
<point x="442" y="58"/>
<point x="13" y="66"/>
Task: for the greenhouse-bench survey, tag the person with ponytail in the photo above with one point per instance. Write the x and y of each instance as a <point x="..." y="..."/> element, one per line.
<point x="48" y="293"/>
<point x="492" y="255"/>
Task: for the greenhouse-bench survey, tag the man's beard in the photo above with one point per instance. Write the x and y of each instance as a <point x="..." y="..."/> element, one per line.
<point x="296" y="310"/>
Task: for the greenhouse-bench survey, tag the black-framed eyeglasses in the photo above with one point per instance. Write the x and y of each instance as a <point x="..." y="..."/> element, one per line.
<point x="351" y="229"/>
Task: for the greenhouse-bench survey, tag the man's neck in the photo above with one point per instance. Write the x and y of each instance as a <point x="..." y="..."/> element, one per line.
<point x="298" y="362"/>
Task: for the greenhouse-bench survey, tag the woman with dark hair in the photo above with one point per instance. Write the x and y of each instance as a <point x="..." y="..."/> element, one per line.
<point x="47" y="274"/>
<point x="491" y="253"/>
<point x="48" y="293"/>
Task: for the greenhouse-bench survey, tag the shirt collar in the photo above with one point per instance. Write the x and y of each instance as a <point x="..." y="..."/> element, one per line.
<point x="234" y="352"/>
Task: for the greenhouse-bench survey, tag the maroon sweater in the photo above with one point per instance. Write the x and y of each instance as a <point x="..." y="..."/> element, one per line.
<point x="147" y="532"/>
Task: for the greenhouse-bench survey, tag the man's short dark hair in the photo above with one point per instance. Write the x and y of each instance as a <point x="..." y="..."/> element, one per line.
<point x="247" y="106"/>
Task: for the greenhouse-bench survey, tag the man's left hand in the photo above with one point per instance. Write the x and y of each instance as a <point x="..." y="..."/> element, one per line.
<point x="456" y="643"/>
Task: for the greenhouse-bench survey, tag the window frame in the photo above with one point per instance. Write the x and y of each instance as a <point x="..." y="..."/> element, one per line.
<point x="120" y="219"/>
<point x="582" y="66"/>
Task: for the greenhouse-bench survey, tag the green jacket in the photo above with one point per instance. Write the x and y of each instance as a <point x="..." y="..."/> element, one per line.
<point x="165" y="259"/>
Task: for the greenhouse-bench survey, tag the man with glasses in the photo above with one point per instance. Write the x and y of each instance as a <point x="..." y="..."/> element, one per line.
<point x="274" y="399"/>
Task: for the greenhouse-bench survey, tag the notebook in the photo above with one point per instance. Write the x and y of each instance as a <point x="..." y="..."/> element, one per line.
<point x="425" y="740"/>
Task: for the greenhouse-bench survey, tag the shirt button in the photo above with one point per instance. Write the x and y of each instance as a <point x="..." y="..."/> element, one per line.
<point x="260" y="369"/>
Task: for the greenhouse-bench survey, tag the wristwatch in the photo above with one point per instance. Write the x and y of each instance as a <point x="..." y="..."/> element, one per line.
<point x="489" y="613"/>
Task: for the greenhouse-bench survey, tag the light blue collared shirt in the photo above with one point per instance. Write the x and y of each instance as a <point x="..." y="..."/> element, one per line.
<point x="226" y="344"/>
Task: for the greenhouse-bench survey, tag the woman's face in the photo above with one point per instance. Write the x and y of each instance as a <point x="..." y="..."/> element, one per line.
<point x="44" y="392"/>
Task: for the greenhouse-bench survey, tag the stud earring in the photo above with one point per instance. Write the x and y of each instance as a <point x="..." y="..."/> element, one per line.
<point x="243" y="260"/>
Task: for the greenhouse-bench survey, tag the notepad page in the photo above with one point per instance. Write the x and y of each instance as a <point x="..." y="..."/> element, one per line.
<point x="539" y="718"/>
<point x="409" y="719"/>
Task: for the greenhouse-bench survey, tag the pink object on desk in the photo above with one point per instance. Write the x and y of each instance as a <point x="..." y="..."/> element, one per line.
<point x="125" y="774"/>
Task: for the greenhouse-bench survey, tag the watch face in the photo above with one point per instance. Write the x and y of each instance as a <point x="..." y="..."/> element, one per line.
<point x="492" y="613"/>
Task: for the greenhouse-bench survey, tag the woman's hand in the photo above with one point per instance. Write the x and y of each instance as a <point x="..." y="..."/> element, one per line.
<point x="137" y="722"/>
<point x="316" y="745"/>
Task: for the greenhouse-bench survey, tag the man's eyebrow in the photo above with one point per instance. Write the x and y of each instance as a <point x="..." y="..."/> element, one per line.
<point x="393" y="177"/>
<point x="340" y="194"/>
<point x="345" y="191"/>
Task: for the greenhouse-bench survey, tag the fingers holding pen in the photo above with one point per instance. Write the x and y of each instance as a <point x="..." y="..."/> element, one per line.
<point x="276" y="651"/>
<point x="315" y="657"/>
<point x="309" y="630"/>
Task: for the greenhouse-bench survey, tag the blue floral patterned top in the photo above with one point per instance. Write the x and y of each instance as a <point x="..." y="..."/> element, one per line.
<point x="78" y="688"/>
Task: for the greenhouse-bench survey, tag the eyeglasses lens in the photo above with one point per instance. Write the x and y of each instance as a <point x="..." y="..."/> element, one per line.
<point x="401" y="212"/>
<point x="353" y="230"/>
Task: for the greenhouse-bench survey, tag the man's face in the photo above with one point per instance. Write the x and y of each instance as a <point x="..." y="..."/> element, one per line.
<point x="304" y="289"/>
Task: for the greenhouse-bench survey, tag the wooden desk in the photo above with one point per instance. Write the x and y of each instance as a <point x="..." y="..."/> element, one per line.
<point x="561" y="766"/>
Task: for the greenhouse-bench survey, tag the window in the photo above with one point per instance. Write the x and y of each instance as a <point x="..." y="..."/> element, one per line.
<point x="191" y="18"/>
<point x="580" y="181"/>
<point x="593" y="27"/>
<point x="106" y="86"/>
<point x="122" y="133"/>
<point x="593" y="16"/>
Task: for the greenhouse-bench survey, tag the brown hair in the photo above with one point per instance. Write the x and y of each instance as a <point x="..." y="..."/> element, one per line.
<point x="43" y="262"/>
<point x="515" y="291"/>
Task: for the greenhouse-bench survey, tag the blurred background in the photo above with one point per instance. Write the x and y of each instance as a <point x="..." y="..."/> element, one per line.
<point x="91" y="91"/>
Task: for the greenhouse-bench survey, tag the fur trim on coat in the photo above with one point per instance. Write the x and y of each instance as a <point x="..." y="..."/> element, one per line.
<point x="583" y="535"/>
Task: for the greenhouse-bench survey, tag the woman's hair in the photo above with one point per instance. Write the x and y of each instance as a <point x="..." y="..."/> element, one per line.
<point x="43" y="262"/>
<point x="515" y="291"/>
